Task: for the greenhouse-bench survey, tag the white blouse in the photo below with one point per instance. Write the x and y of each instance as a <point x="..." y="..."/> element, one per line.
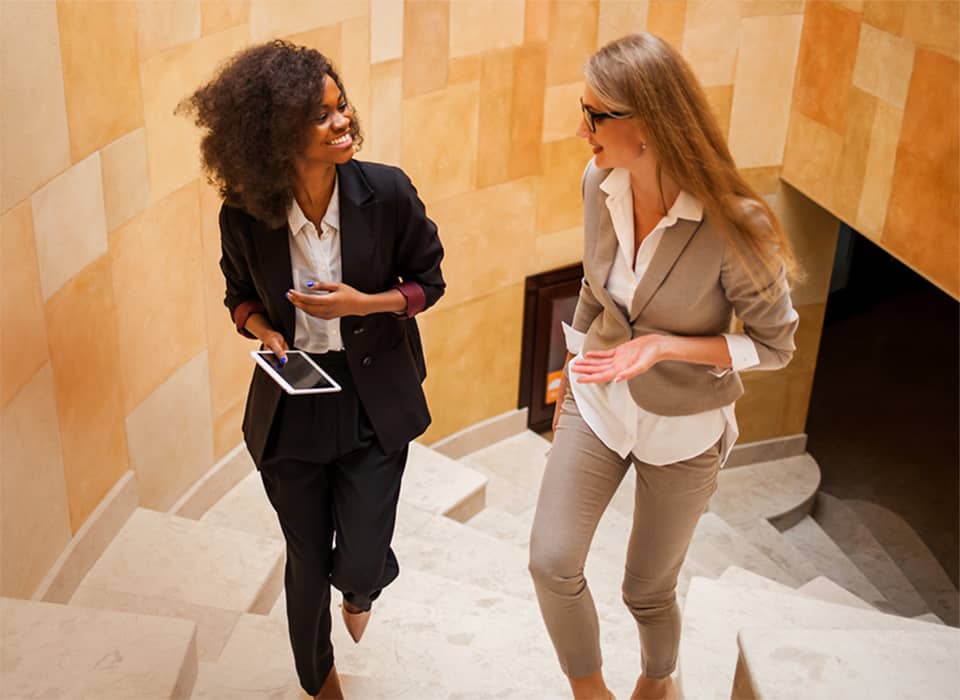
<point x="315" y="255"/>
<point x="608" y="408"/>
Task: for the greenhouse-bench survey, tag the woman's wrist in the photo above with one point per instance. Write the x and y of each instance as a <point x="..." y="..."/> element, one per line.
<point x="390" y="301"/>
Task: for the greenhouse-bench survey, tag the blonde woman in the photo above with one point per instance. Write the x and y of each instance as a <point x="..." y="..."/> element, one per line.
<point x="675" y="243"/>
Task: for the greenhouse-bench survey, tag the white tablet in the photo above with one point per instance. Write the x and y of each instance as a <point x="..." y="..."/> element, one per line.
<point x="300" y="374"/>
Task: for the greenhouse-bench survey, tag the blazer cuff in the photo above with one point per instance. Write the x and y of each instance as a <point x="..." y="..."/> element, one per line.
<point x="243" y="312"/>
<point x="415" y="296"/>
<point x="743" y="354"/>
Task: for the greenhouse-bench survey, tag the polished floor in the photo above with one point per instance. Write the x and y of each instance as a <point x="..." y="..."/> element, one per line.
<point x="884" y="414"/>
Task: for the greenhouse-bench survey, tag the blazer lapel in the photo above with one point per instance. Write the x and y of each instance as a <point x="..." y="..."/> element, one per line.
<point x="673" y="243"/>
<point x="273" y="254"/>
<point x="357" y="237"/>
<point x="598" y="262"/>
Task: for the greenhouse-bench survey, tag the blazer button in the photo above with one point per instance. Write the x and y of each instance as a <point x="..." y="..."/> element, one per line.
<point x="366" y="361"/>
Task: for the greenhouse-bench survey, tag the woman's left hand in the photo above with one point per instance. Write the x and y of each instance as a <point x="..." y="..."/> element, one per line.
<point x="622" y="362"/>
<point x="335" y="299"/>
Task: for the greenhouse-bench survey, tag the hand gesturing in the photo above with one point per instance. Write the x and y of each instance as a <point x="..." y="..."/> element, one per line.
<point x="622" y="362"/>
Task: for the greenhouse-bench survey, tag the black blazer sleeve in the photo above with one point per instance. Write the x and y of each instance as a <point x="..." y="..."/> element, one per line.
<point x="417" y="250"/>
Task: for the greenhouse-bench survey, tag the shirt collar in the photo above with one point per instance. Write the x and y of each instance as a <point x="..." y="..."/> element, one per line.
<point x="686" y="206"/>
<point x="296" y="219"/>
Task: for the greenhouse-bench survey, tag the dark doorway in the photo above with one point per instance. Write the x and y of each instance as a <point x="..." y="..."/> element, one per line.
<point x="885" y="409"/>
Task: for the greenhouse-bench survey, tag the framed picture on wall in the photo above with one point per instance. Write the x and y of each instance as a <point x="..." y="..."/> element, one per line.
<point x="549" y="299"/>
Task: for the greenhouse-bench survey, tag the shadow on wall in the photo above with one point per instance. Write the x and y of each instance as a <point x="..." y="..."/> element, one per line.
<point x="885" y="409"/>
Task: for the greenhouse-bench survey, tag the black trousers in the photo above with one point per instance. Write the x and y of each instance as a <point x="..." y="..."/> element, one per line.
<point x="335" y="493"/>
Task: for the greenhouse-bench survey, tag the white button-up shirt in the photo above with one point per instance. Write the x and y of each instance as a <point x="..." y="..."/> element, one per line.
<point x="608" y="408"/>
<point x="316" y="256"/>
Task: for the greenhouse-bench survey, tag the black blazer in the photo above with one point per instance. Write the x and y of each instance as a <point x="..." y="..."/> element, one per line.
<point x="386" y="238"/>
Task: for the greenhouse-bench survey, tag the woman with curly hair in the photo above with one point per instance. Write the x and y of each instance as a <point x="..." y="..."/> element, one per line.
<point x="334" y="257"/>
<point x="675" y="243"/>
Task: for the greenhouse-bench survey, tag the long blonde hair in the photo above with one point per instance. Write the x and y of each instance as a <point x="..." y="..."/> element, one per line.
<point x="643" y="75"/>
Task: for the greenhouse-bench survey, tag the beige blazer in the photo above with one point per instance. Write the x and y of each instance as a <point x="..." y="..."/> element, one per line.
<point x="693" y="286"/>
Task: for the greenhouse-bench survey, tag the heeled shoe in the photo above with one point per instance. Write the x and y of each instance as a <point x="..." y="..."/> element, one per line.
<point x="355" y="622"/>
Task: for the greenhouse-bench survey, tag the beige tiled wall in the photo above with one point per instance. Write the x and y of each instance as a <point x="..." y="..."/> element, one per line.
<point x="110" y="238"/>
<point x="874" y="132"/>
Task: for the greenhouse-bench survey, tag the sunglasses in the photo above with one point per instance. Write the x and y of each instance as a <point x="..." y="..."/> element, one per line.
<point x="593" y="118"/>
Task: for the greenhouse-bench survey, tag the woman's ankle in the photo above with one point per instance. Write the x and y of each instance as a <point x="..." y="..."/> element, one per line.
<point x="590" y="687"/>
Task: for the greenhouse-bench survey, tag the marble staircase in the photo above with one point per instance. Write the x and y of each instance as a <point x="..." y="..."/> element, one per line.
<point x="786" y="593"/>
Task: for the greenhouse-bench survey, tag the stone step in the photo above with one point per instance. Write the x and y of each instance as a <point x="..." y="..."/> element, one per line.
<point x="715" y="612"/>
<point x="167" y="565"/>
<point x="856" y="541"/>
<point x="221" y="682"/>
<point x="822" y="588"/>
<point x="461" y="553"/>
<point x="455" y="551"/>
<point x="769" y="540"/>
<point x="716" y="546"/>
<point x="246" y="508"/>
<point x="513" y="468"/>
<point x="816" y="545"/>
<point x="736" y="576"/>
<point x="520" y="459"/>
<point x="501" y="650"/>
<point x="929" y="617"/>
<point x="59" y="651"/>
<point x="780" y="491"/>
<point x="506" y="527"/>
<point x="913" y="557"/>
<point x="440" y="485"/>
<point x="797" y="664"/>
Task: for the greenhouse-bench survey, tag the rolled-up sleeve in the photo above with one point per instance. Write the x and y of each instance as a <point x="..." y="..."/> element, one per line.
<point x="769" y="319"/>
<point x="240" y="297"/>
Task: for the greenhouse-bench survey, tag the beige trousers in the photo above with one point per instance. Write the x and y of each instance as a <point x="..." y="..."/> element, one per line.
<point x="581" y="477"/>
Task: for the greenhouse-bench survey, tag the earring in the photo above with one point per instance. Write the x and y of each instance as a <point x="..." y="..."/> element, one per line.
<point x="643" y="146"/>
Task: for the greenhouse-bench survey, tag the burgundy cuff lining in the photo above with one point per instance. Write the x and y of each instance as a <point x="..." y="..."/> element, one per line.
<point x="243" y="312"/>
<point x="415" y="296"/>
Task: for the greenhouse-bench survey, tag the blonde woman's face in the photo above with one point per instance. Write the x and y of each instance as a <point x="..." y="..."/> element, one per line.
<point x="617" y="142"/>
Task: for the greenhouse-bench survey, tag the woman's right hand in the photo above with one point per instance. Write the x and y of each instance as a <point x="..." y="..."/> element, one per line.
<point x="259" y="325"/>
<point x="274" y="342"/>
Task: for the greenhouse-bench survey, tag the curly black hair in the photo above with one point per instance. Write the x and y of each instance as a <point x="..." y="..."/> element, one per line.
<point x="255" y="114"/>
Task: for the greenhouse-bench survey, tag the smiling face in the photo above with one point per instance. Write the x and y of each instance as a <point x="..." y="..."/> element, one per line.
<point x="329" y="140"/>
<point x="617" y="143"/>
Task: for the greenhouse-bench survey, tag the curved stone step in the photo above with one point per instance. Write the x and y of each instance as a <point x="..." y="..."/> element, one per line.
<point x="441" y="485"/>
<point x="715" y="612"/>
<point x="798" y="664"/>
<point x="780" y="491"/>
<point x="246" y="508"/>
<point x="166" y="565"/>
<point x="520" y="459"/>
<point x="506" y="527"/>
<point x="856" y="541"/>
<point x="59" y="651"/>
<point x="513" y="467"/>
<point x="816" y="545"/>
<point x="736" y="576"/>
<point x="769" y="540"/>
<point x="913" y="557"/>
<point x="717" y="546"/>
<point x="822" y="588"/>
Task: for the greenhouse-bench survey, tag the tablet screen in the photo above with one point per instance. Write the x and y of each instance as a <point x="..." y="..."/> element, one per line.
<point x="298" y="371"/>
